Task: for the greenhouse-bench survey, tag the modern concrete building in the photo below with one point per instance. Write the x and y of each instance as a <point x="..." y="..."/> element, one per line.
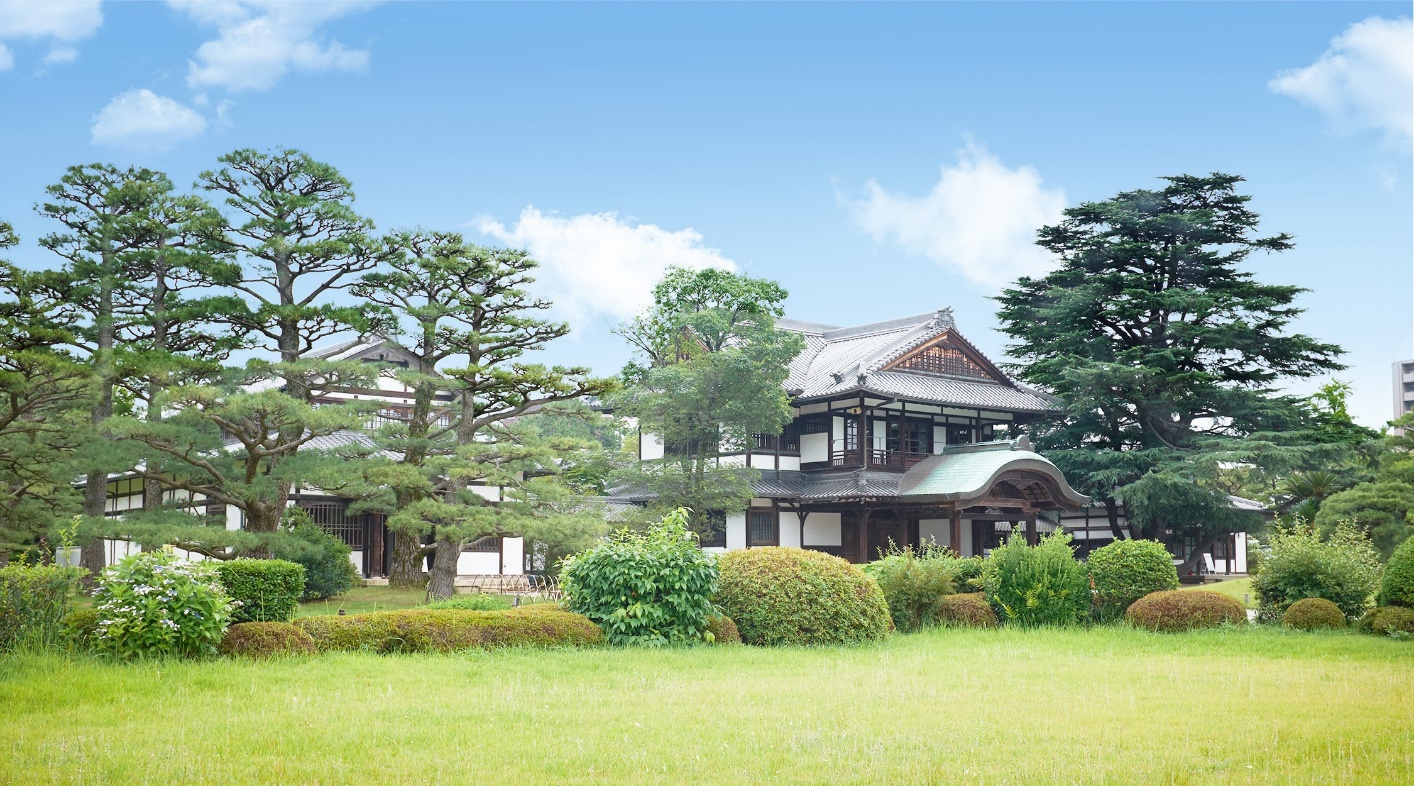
<point x="1403" y="387"/>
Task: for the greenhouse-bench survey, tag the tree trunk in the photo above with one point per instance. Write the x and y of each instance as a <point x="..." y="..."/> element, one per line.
<point x="1191" y="564"/>
<point x="441" y="581"/>
<point x="1112" y="513"/>
<point x="405" y="561"/>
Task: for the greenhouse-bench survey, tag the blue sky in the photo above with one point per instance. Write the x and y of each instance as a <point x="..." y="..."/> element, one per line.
<point x="878" y="160"/>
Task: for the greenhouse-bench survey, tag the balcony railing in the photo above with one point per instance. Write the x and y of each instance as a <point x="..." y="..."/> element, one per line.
<point x="849" y="455"/>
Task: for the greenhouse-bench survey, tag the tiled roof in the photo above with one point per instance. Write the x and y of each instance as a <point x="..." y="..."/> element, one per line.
<point x="838" y="361"/>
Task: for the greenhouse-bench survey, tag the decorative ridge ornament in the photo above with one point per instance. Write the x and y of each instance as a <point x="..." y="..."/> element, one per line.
<point x="942" y="320"/>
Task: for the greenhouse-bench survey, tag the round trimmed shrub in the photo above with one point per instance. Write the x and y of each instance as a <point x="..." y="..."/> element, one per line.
<point x="450" y="630"/>
<point x="1313" y="614"/>
<point x="266" y="640"/>
<point x="263" y="590"/>
<point x="723" y="630"/>
<point x="785" y="596"/>
<point x="968" y="610"/>
<point x="1397" y="586"/>
<point x="1388" y="621"/>
<point x="475" y="601"/>
<point x="1172" y="611"/>
<point x="1127" y="570"/>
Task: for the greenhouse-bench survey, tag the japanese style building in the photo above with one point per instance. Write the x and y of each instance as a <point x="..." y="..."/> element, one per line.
<point x="903" y="433"/>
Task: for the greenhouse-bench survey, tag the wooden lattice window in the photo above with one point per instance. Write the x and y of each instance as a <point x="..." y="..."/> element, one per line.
<point x="762" y="528"/>
<point x="714" y="530"/>
<point x="813" y="424"/>
<point x="944" y="359"/>
<point x="334" y="518"/>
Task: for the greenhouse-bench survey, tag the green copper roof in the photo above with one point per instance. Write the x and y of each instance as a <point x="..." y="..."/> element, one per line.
<point x="968" y="471"/>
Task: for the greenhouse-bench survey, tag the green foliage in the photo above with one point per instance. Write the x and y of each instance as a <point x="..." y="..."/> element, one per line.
<point x="1396" y="621"/>
<point x="1397" y="585"/>
<point x="967" y="610"/>
<point x="1344" y="570"/>
<point x="80" y="628"/>
<point x="967" y="574"/>
<point x="645" y="588"/>
<point x="266" y="640"/>
<point x="262" y="590"/>
<point x="722" y="629"/>
<point x="1166" y="354"/>
<point x="1313" y="614"/>
<point x="1125" y="571"/>
<point x="914" y="585"/>
<point x="426" y="630"/>
<point x="155" y="605"/>
<point x="708" y="373"/>
<point x="1041" y="585"/>
<point x="33" y="602"/>
<point x="475" y="601"/>
<point x="1173" y="611"/>
<point x="786" y="596"/>
<point x="328" y="571"/>
<point x="1381" y="508"/>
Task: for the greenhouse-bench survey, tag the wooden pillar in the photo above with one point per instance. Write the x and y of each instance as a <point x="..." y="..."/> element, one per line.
<point x="955" y="532"/>
<point x="864" y="534"/>
<point x="1031" y="538"/>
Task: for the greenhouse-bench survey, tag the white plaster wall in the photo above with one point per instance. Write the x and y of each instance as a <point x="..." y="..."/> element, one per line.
<point x="763" y="460"/>
<point x="822" y="529"/>
<point x="837" y="429"/>
<point x="356" y="557"/>
<point x="514" y="550"/>
<point x="736" y="531"/>
<point x="793" y="463"/>
<point x="1240" y="556"/>
<point x="738" y="460"/>
<point x="788" y="524"/>
<point x="649" y="447"/>
<point x="936" y="529"/>
<point x="881" y="434"/>
<point x="479" y="563"/>
<point x="492" y="493"/>
<point x="940" y="438"/>
<point x="814" y="447"/>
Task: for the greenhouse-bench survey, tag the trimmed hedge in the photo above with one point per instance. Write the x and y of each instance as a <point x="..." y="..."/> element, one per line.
<point x="1125" y="571"/>
<point x="1179" y="610"/>
<point x="1388" y="621"/>
<point x="1397" y="585"/>
<point x="266" y="640"/>
<point x="785" y="596"/>
<point x="967" y="610"/>
<point x="723" y="630"/>
<point x="1313" y="614"/>
<point x="475" y="601"/>
<point x="450" y="630"/>
<point x="267" y="590"/>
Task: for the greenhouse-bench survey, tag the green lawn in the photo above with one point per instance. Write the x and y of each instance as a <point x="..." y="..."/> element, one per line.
<point x="361" y="599"/>
<point x="947" y="706"/>
<point x="1235" y="588"/>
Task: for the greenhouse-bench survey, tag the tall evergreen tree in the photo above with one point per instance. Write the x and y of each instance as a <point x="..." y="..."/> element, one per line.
<point x="1164" y="353"/>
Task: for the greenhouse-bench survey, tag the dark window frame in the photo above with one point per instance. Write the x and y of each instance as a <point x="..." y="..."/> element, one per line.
<point x="774" y="524"/>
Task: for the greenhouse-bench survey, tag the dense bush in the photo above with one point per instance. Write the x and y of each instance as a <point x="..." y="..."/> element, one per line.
<point x="33" y="601"/>
<point x="450" y="630"/>
<point x="475" y="601"/>
<point x="723" y="630"/>
<point x="1125" y="571"/>
<point x="967" y="574"/>
<point x="1313" y="614"/>
<point x="647" y="588"/>
<point x="153" y="604"/>
<point x="266" y="640"/>
<point x="1397" y="586"/>
<point x="967" y="610"/>
<point x="1040" y="585"/>
<point x="1344" y="570"/>
<point x="914" y="585"/>
<point x="1388" y="621"/>
<point x="783" y="596"/>
<point x="1172" y="611"/>
<point x="262" y="590"/>
<point x="328" y="571"/>
<point x="80" y="628"/>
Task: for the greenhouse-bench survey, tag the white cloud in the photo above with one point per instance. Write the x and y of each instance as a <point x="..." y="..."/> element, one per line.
<point x="60" y="55"/>
<point x="143" y="120"/>
<point x="980" y="220"/>
<point x="1364" y="81"/>
<point x="599" y="264"/>
<point x="262" y="40"/>
<point x="66" y="20"/>
<point x="60" y="20"/>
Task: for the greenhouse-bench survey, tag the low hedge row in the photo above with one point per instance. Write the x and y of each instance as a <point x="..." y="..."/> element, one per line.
<point x="1388" y="621"/>
<point x="268" y="590"/>
<point x="266" y="640"/>
<point x="1179" y="610"/>
<point x="450" y="630"/>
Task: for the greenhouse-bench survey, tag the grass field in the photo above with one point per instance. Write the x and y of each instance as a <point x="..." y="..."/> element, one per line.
<point x="946" y="706"/>
<point x="363" y="599"/>
<point x="1236" y="588"/>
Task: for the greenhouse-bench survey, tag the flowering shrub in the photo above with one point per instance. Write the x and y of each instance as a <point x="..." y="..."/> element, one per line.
<point x="153" y="604"/>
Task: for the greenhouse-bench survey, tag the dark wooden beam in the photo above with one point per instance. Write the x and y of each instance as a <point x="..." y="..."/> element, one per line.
<point x="955" y="532"/>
